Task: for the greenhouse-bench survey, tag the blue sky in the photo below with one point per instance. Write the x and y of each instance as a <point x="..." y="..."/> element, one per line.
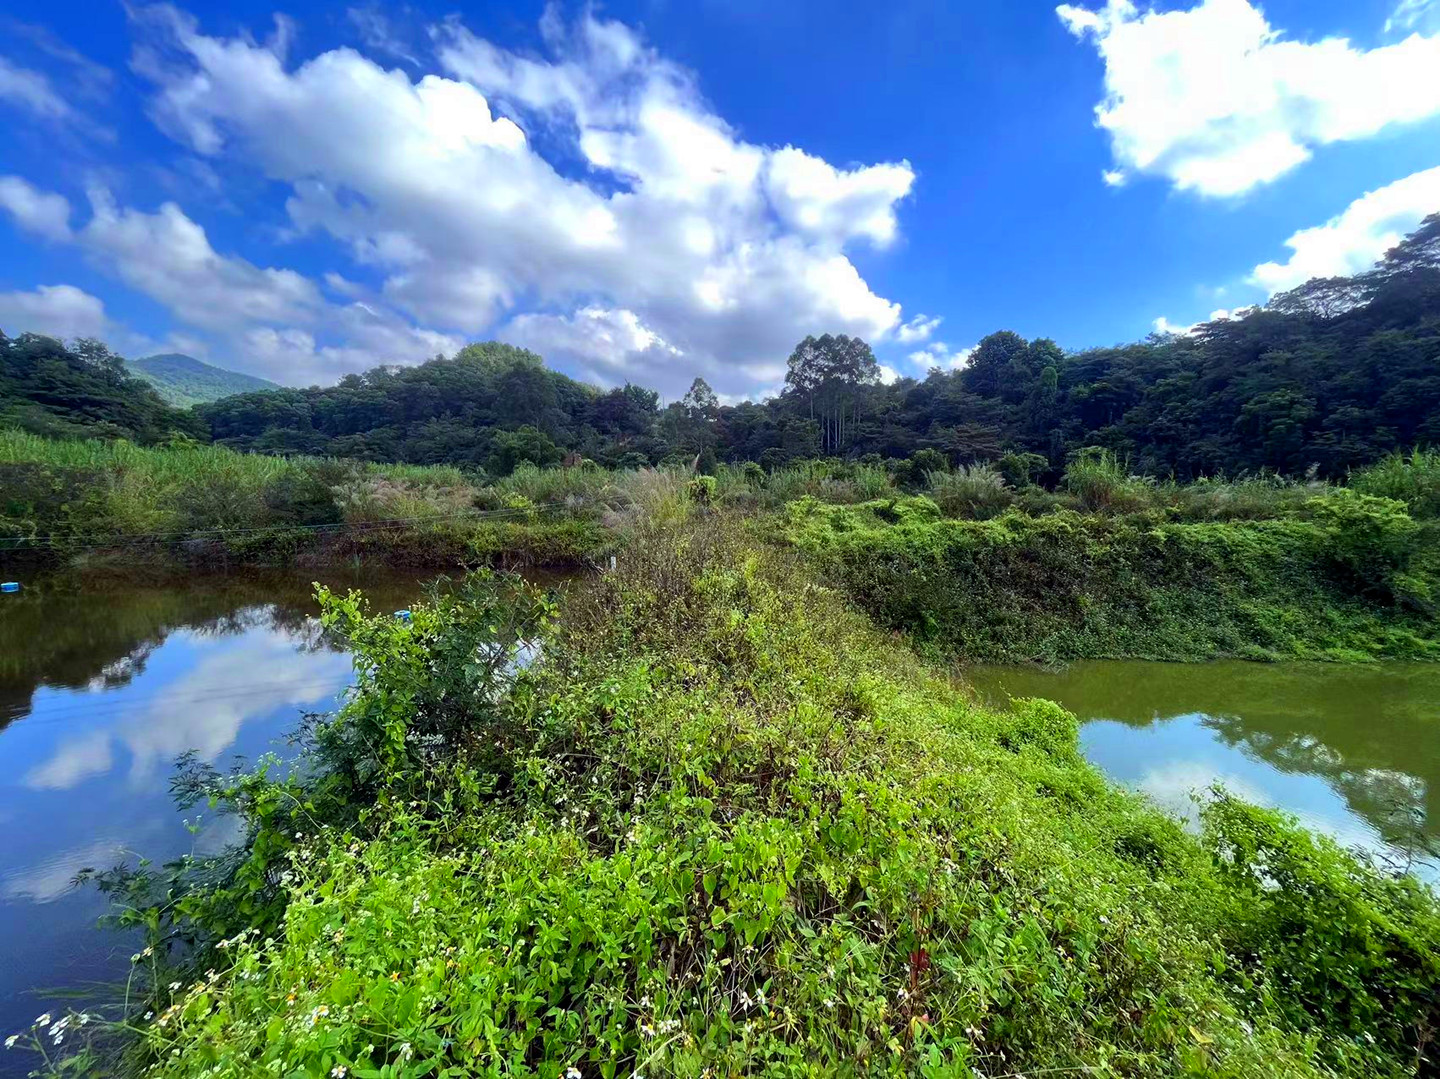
<point x="655" y="190"/>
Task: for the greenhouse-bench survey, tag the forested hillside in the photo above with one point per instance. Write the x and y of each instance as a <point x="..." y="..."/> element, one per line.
<point x="82" y="392"/>
<point x="1328" y="377"/>
<point x="183" y="380"/>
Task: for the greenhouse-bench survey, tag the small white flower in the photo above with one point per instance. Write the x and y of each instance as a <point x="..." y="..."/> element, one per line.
<point x="10" y="1041"/>
<point x="338" y="1072"/>
<point x="174" y="986"/>
<point x="43" y="1019"/>
<point x="572" y="1072"/>
<point x="149" y="1015"/>
<point x="406" y="1051"/>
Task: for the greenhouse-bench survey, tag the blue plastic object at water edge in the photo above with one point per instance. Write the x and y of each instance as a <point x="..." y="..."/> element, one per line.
<point x="10" y="586"/>
<point x="404" y="616"/>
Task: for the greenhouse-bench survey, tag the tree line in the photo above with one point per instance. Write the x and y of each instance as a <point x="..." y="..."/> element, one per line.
<point x="1324" y="378"/>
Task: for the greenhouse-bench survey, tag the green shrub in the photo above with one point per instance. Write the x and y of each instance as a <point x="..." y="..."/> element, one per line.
<point x="1331" y="945"/>
<point x="923" y="462"/>
<point x="1412" y="478"/>
<point x="1374" y="538"/>
<point x="701" y="490"/>
<point x="723" y="825"/>
<point x="1103" y="485"/>
<point x="1065" y="586"/>
<point x="1021" y="469"/>
<point x="978" y="492"/>
<point x="1248" y="498"/>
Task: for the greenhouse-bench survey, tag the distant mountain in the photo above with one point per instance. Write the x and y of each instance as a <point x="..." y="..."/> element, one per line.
<point x="183" y="380"/>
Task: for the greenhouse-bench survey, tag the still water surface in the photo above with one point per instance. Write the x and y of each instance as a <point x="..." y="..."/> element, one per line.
<point x="1353" y="751"/>
<point x="102" y="686"/>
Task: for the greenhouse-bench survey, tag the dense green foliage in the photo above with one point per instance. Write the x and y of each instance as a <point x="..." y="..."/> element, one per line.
<point x="723" y="826"/>
<point x="490" y="405"/>
<point x="1324" y="379"/>
<point x="81" y="392"/>
<point x="1329" y="377"/>
<point x="1155" y="571"/>
<point x="1108" y="564"/>
<point x="117" y="500"/>
<point x="182" y="380"/>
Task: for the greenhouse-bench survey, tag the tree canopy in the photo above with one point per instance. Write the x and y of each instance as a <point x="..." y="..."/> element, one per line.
<point x="1328" y="376"/>
<point x="82" y="391"/>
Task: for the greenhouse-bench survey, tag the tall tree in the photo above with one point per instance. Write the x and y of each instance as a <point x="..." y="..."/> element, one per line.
<point x="830" y="372"/>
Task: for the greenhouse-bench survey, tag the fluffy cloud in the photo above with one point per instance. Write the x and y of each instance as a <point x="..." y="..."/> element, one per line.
<point x="917" y="329"/>
<point x="1166" y="328"/>
<point x="676" y="248"/>
<point x="168" y="257"/>
<point x="1217" y="101"/>
<point x="62" y="311"/>
<point x="610" y="343"/>
<point x="818" y="199"/>
<point x="939" y="354"/>
<point x="40" y="212"/>
<point x="274" y="321"/>
<point x="1356" y="238"/>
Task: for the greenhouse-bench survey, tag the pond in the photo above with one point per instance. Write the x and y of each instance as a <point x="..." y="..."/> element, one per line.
<point x="102" y="685"/>
<point x="1352" y="751"/>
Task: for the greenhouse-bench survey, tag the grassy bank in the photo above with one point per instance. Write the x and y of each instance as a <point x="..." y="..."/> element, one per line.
<point x="724" y="826"/>
<point x="1343" y="576"/>
<point x="93" y="501"/>
<point x="976" y="562"/>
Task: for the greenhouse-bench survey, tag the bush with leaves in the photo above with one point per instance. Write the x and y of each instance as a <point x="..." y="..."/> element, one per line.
<point x="724" y="826"/>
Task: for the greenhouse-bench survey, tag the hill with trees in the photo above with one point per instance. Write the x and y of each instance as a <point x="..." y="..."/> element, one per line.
<point x="82" y="391"/>
<point x="1328" y="377"/>
<point x="183" y="380"/>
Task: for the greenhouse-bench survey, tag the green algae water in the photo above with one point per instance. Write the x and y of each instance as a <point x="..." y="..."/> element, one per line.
<point x="1352" y="751"/>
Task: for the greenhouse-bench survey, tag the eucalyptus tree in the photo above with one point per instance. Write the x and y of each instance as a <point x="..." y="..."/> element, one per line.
<point x="830" y="373"/>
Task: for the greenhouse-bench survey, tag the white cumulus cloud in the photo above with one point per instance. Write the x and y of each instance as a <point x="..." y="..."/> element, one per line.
<point x="273" y="321"/>
<point x="939" y="354"/>
<point x="675" y="229"/>
<point x="62" y="311"/>
<point x="1216" y="100"/>
<point x="41" y="212"/>
<point x="1356" y="238"/>
<point x="917" y="329"/>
